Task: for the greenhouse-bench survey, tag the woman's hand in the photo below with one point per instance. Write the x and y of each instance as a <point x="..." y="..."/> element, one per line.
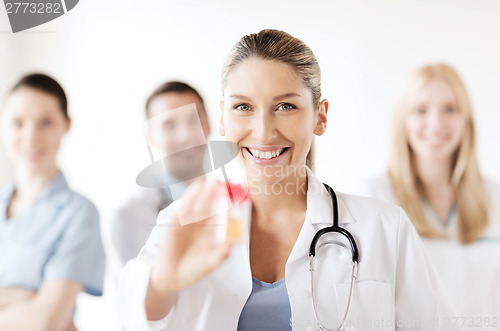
<point x="188" y="252"/>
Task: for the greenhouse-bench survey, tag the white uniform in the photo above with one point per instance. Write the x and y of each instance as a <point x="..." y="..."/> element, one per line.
<point x="470" y="273"/>
<point x="396" y="288"/>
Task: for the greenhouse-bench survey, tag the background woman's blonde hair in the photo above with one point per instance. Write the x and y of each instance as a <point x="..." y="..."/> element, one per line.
<point x="465" y="177"/>
<point x="279" y="46"/>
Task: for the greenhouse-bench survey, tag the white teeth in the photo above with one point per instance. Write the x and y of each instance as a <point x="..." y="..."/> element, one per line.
<point x="266" y="154"/>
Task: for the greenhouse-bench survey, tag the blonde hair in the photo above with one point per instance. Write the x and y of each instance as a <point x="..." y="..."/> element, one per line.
<point x="279" y="46"/>
<point x="465" y="177"/>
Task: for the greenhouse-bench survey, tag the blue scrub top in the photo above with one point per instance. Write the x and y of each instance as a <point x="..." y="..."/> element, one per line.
<point x="267" y="308"/>
<point x="57" y="239"/>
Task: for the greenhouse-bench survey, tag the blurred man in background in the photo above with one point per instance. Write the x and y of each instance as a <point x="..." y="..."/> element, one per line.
<point x="176" y="122"/>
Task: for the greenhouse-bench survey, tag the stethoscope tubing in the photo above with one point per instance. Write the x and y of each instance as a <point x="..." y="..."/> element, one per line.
<point x="312" y="259"/>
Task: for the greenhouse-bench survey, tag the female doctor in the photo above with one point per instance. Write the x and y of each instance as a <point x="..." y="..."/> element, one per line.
<point x="182" y="280"/>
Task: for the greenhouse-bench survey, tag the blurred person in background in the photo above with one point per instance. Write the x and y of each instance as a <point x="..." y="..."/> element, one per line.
<point x="50" y="240"/>
<point x="174" y="113"/>
<point x="434" y="175"/>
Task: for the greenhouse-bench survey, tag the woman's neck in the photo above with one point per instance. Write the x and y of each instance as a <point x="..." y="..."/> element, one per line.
<point x="29" y="184"/>
<point x="435" y="178"/>
<point x="287" y="196"/>
<point x="434" y="174"/>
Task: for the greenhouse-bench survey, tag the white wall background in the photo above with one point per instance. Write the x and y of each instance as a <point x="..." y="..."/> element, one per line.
<point x="109" y="55"/>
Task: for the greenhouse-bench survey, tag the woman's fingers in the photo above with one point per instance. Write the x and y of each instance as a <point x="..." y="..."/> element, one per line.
<point x="189" y="251"/>
<point x="196" y="204"/>
<point x="196" y="261"/>
<point x="201" y="261"/>
<point x="220" y="253"/>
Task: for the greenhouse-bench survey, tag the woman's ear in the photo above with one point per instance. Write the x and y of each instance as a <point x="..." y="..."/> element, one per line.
<point x="222" y="130"/>
<point x="68" y="125"/>
<point x="320" y="127"/>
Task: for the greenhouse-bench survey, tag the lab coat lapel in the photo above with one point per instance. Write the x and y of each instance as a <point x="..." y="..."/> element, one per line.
<point x="319" y="214"/>
<point x="301" y="248"/>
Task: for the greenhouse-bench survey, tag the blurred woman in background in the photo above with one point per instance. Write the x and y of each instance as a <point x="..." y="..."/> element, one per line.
<point x="434" y="175"/>
<point x="50" y="239"/>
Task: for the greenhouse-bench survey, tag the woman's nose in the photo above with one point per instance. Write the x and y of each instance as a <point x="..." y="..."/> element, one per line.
<point x="435" y="120"/>
<point x="264" y="127"/>
<point x="30" y="134"/>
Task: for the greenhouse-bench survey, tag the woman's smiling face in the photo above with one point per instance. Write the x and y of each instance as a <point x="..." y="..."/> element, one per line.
<point x="268" y="111"/>
<point x="435" y="125"/>
<point x="33" y="129"/>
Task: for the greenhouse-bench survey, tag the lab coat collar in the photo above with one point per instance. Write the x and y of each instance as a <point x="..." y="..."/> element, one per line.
<point x="319" y="204"/>
<point x="319" y="214"/>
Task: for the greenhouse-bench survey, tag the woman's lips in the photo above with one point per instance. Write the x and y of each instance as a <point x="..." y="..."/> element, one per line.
<point x="266" y="156"/>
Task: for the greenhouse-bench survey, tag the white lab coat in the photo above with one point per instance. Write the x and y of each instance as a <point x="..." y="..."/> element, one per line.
<point x="396" y="288"/>
<point x="470" y="273"/>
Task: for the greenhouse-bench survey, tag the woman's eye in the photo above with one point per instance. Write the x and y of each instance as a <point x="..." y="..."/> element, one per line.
<point x="449" y="109"/>
<point x="286" y="106"/>
<point x="242" y="107"/>
<point x="46" y="123"/>
<point x="17" y="123"/>
<point x="420" y="110"/>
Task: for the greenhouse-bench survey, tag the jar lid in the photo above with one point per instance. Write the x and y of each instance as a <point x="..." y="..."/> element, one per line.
<point x="237" y="192"/>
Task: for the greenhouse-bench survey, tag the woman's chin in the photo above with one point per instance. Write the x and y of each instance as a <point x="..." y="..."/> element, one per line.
<point x="34" y="167"/>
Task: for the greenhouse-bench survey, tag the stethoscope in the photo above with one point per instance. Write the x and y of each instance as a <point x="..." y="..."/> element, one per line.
<point x="312" y="255"/>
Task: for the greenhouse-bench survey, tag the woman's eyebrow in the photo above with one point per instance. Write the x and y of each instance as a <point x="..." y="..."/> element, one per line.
<point x="239" y="96"/>
<point x="286" y="95"/>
